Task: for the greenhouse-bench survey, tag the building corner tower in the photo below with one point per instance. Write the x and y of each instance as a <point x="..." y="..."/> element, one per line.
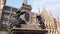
<point x="2" y="3"/>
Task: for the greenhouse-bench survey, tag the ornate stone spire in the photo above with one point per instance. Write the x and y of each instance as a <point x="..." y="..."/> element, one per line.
<point x="38" y="9"/>
<point x="25" y="1"/>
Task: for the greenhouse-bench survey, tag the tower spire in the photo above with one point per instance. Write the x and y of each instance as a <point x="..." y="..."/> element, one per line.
<point x="25" y="1"/>
<point x="38" y="9"/>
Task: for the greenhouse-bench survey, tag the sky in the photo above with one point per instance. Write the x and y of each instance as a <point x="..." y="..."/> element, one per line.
<point x="51" y="5"/>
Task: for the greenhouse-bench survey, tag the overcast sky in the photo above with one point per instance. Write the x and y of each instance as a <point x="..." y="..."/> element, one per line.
<point x="52" y="5"/>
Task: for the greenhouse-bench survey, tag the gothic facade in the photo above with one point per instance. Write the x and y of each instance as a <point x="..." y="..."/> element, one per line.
<point x="52" y="24"/>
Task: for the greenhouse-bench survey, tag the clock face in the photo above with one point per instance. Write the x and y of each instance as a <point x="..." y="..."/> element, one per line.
<point x="27" y="16"/>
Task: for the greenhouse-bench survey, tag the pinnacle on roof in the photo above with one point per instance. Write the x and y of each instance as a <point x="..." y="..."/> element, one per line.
<point x="38" y="9"/>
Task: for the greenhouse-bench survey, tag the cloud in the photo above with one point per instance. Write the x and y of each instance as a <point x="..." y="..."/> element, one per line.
<point x="55" y="9"/>
<point x="42" y="1"/>
<point x="52" y="0"/>
<point x="55" y="6"/>
<point x="51" y="5"/>
<point x="37" y="3"/>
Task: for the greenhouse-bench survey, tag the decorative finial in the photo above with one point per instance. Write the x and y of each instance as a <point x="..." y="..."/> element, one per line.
<point x="25" y="1"/>
<point x="38" y="9"/>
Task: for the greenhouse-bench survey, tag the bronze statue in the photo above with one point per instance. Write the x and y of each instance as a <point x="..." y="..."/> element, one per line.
<point x="41" y="22"/>
<point x="18" y="21"/>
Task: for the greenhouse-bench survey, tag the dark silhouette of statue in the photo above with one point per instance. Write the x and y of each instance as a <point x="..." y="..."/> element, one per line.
<point x="41" y="22"/>
<point x="18" y="21"/>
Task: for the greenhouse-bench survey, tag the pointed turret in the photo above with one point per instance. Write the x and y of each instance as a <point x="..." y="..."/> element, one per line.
<point x="38" y="9"/>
